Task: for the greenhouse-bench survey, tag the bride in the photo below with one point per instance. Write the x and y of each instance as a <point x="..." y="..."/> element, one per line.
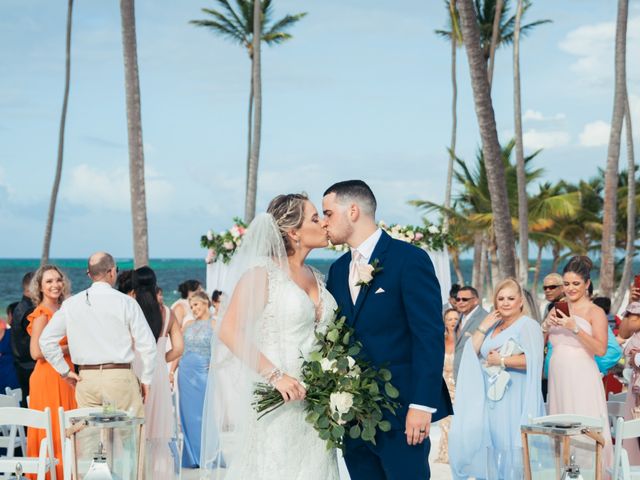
<point x="269" y="325"/>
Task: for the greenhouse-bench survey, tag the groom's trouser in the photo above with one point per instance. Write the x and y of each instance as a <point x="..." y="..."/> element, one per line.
<point x="391" y="459"/>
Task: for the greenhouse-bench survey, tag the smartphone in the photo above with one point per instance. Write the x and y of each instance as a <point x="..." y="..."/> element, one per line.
<point x="636" y="281"/>
<point x="562" y="307"/>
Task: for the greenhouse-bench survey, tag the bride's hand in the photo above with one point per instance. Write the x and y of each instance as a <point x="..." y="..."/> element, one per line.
<point x="290" y="388"/>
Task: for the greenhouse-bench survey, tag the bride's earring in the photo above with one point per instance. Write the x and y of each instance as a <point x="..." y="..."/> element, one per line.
<point x="298" y="243"/>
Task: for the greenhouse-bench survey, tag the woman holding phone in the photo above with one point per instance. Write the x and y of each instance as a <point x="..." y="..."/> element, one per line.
<point x="577" y="330"/>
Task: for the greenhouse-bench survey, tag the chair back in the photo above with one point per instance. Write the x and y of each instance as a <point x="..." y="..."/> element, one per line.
<point x="25" y="417"/>
<point x="64" y="422"/>
<point x="624" y="431"/>
<point x="614" y="410"/>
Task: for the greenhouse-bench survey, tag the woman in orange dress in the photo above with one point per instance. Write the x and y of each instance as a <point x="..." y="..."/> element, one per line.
<point x="49" y="287"/>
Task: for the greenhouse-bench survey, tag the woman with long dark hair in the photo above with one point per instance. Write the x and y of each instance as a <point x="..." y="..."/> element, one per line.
<point x="159" y="459"/>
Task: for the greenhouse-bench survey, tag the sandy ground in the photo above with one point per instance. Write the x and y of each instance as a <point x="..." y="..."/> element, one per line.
<point x="438" y="471"/>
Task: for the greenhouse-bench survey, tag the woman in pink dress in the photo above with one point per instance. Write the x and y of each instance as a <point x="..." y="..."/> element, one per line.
<point x="575" y="383"/>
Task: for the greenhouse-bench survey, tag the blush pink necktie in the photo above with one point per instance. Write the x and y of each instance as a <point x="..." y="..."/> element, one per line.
<point x="353" y="275"/>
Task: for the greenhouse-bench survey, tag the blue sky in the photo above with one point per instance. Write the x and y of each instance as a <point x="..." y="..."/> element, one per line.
<point x="363" y="90"/>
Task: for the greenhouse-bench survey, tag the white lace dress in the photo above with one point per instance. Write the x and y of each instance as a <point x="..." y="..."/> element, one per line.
<point x="282" y="445"/>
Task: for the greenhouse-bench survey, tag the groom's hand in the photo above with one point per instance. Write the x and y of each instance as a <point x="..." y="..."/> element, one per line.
<point x="417" y="426"/>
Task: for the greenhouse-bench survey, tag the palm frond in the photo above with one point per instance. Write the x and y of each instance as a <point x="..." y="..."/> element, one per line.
<point x="222" y="29"/>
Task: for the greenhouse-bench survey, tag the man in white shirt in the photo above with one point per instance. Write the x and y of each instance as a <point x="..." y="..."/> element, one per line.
<point x="102" y="326"/>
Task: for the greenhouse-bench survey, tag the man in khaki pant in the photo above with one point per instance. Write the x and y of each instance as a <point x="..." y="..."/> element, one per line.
<point x="102" y="326"/>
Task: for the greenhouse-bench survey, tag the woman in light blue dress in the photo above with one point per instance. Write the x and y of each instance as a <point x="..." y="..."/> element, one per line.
<point x="498" y="390"/>
<point x="192" y="375"/>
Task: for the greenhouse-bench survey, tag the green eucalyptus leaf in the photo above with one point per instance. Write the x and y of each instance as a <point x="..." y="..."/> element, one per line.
<point x="391" y="391"/>
<point x="354" y="432"/>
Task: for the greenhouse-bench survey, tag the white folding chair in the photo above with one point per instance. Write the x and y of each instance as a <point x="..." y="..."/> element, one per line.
<point x="68" y="453"/>
<point x="13" y="435"/>
<point x="621" y="468"/>
<point x="615" y="410"/>
<point x="45" y="461"/>
<point x="16" y="392"/>
<point x="617" y="397"/>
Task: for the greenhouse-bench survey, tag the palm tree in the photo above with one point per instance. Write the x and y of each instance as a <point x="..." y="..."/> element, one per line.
<point x="238" y="25"/>
<point x="613" y="153"/>
<point x="523" y="209"/>
<point x="495" y="33"/>
<point x="134" y="133"/>
<point x="63" y="120"/>
<point x="486" y="14"/>
<point x="456" y="39"/>
<point x="489" y="135"/>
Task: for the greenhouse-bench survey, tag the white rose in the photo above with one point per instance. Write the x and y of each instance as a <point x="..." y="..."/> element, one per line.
<point x="354" y="372"/>
<point x="410" y="235"/>
<point x="235" y="233"/>
<point x="228" y="245"/>
<point x="433" y="229"/>
<point x="352" y="362"/>
<point x="341" y="402"/>
<point x="365" y="272"/>
<point x="327" y="365"/>
<point x="209" y="235"/>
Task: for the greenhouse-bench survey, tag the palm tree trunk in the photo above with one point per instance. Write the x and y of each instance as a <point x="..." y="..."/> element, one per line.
<point x="495" y="34"/>
<point x="489" y="135"/>
<point x="455" y="260"/>
<point x="555" y="254"/>
<point x="46" y="246"/>
<point x="607" y="268"/>
<point x="631" y="214"/>
<point x="249" y="132"/>
<point x="454" y="114"/>
<point x="476" y="277"/>
<point x="536" y="274"/>
<point x="252" y="184"/>
<point x="523" y="207"/>
<point x="495" y="269"/>
<point x="134" y="132"/>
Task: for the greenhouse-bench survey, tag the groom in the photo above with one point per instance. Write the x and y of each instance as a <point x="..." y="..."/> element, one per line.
<point x="396" y="311"/>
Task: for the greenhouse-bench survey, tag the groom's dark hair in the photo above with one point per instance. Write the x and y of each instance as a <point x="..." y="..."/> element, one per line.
<point x="356" y="191"/>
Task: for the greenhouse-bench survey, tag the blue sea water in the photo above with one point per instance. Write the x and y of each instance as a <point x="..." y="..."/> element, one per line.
<point x="169" y="271"/>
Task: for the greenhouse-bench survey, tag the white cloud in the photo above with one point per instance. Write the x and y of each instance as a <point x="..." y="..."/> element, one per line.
<point x="595" y="134"/>
<point x="109" y="189"/>
<point x="535" y="139"/>
<point x="534" y="115"/>
<point x="594" y="46"/>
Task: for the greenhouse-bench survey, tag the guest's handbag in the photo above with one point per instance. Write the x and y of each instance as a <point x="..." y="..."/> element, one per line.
<point x="611" y="356"/>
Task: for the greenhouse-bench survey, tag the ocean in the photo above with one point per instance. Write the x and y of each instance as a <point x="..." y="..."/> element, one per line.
<point x="170" y="273"/>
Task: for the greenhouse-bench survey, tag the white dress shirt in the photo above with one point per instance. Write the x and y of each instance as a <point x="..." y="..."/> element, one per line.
<point x="102" y="325"/>
<point x="466" y="317"/>
<point x="365" y="249"/>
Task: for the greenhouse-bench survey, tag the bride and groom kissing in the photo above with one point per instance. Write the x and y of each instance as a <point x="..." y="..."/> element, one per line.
<point x="389" y="293"/>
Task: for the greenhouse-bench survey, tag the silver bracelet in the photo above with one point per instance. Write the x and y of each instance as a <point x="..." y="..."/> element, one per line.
<point x="482" y="330"/>
<point x="274" y="376"/>
<point x="502" y="363"/>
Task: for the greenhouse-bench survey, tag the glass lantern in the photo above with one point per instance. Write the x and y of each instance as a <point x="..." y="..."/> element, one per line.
<point x="106" y="446"/>
<point x="557" y="451"/>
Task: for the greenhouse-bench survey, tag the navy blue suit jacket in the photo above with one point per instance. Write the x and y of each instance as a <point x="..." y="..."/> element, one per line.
<point x="401" y="326"/>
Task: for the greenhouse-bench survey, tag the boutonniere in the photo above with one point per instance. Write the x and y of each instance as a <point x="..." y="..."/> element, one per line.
<point x="366" y="272"/>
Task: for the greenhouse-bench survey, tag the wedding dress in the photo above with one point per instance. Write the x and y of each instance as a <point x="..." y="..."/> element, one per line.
<point x="276" y="318"/>
<point x="282" y="445"/>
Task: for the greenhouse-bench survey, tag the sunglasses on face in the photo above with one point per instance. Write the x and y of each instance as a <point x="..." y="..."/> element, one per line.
<point x="550" y="287"/>
<point x="463" y="299"/>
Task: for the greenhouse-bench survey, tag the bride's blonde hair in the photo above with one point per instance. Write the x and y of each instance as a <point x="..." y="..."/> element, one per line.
<point x="288" y="213"/>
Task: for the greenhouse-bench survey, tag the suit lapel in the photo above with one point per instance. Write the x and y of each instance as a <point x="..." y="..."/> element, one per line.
<point x="379" y="253"/>
<point x="342" y="288"/>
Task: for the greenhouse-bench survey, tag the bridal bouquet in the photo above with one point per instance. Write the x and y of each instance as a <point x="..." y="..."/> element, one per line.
<point x="345" y="394"/>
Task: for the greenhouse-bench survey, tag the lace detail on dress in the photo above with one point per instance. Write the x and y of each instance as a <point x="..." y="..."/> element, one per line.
<point x="197" y="337"/>
<point x="284" y="339"/>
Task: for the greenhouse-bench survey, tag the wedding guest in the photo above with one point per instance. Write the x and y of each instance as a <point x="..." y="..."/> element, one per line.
<point x="498" y="388"/>
<point x="49" y="287"/>
<point x="20" y="339"/>
<point x="630" y="328"/>
<point x="471" y="314"/>
<point x="453" y="293"/>
<point x="8" y="377"/>
<point x="181" y="307"/>
<point x="552" y="286"/>
<point x="216" y="301"/>
<point x="159" y="420"/>
<point x="451" y="318"/>
<point x="102" y="325"/>
<point x="575" y="384"/>
<point x="192" y="376"/>
<point x="124" y="282"/>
